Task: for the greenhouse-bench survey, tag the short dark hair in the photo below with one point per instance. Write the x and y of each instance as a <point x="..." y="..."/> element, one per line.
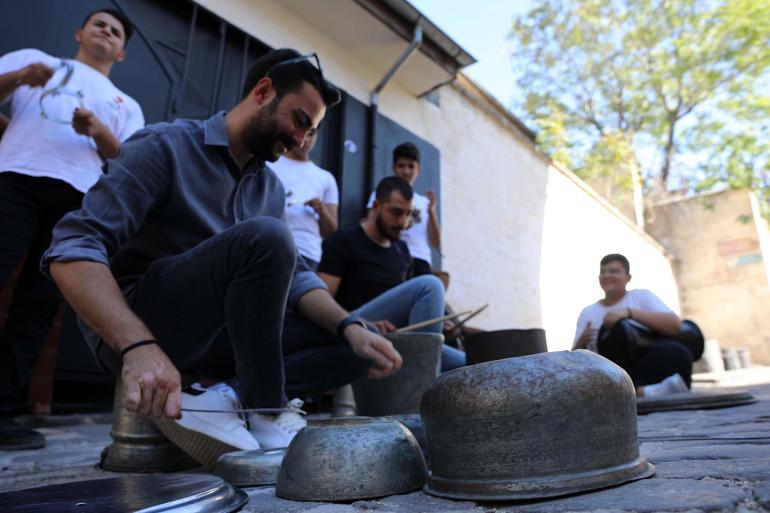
<point x="406" y="150"/>
<point x="389" y="184"/>
<point x="128" y="27"/>
<point x="289" y="77"/>
<point x="616" y="257"/>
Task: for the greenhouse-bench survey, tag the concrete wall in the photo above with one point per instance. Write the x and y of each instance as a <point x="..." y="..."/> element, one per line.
<point x="720" y="244"/>
<point x="523" y="234"/>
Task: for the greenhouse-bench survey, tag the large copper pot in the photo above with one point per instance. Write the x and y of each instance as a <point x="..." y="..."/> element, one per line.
<point x="535" y="426"/>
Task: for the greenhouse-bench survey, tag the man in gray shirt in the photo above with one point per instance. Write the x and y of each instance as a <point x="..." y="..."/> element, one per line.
<point x="178" y="256"/>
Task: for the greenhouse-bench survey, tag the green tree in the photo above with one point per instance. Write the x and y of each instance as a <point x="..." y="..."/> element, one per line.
<point x="673" y="88"/>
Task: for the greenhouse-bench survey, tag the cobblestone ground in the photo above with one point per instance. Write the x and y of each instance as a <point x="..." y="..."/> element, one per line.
<point x="706" y="460"/>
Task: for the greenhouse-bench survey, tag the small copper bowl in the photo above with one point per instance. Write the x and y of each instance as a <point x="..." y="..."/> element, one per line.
<point x="530" y="427"/>
<point x="349" y="458"/>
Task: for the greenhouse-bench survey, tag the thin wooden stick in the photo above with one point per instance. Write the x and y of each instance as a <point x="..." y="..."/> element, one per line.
<point x="471" y="316"/>
<point x="430" y="321"/>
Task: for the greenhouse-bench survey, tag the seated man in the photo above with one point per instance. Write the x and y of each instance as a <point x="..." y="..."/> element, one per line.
<point x="311" y="200"/>
<point x="178" y="254"/>
<point x="663" y="368"/>
<point x="422" y="231"/>
<point x="366" y="268"/>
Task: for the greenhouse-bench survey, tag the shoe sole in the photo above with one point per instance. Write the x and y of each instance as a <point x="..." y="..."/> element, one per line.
<point x="202" y="448"/>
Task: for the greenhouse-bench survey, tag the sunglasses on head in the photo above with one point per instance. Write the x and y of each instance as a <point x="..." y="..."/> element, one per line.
<point x="312" y="58"/>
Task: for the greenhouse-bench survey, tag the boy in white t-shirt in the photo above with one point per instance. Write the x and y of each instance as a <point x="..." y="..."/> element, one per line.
<point x="665" y="367"/>
<point x="311" y="199"/>
<point x="67" y="117"/>
<point x="424" y="231"/>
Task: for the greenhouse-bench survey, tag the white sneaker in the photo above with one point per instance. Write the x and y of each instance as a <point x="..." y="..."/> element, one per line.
<point x="674" y="384"/>
<point x="206" y="436"/>
<point x="274" y="432"/>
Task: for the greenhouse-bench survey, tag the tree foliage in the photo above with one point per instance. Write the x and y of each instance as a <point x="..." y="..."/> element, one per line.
<point x="676" y="87"/>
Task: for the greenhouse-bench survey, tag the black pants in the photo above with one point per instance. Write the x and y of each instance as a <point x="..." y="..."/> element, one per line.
<point x="29" y="209"/>
<point x="220" y="305"/>
<point x="645" y="365"/>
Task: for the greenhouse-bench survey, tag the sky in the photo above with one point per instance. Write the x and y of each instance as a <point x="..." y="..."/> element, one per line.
<point x="480" y="27"/>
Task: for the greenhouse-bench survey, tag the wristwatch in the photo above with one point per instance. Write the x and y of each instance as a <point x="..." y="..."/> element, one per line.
<point x="347" y="321"/>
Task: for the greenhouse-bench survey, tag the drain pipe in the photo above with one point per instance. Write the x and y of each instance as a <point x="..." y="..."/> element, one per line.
<point x="375" y="102"/>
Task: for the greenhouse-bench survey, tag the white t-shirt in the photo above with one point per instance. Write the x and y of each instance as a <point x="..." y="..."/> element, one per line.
<point x="35" y="146"/>
<point x="416" y="237"/>
<point x="642" y="299"/>
<point x="304" y="181"/>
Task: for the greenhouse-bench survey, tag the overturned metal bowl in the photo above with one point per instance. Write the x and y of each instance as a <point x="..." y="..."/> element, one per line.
<point x="487" y="346"/>
<point x="351" y="458"/>
<point x="401" y="392"/>
<point x="413" y="423"/>
<point x="530" y="427"/>
<point x="250" y="468"/>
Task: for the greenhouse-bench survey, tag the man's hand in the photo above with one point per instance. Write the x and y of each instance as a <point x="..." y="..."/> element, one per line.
<point x="431" y="202"/>
<point x="376" y="348"/>
<point x="35" y="74"/>
<point x="383" y="326"/>
<point x="151" y="383"/>
<point x="589" y="334"/>
<point x="85" y="122"/>
<point x="315" y="204"/>
<point x="613" y="316"/>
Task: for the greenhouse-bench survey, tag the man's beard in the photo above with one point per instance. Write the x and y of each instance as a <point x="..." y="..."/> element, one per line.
<point x="262" y="134"/>
<point x="384" y="231"/>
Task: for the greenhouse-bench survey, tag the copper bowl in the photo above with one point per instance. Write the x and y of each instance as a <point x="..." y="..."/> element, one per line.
<point x="530" y="427"/>
<point x="349" y="458"/>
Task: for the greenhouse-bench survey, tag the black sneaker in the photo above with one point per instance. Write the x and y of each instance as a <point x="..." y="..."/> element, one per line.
<point x="15" y="437"/>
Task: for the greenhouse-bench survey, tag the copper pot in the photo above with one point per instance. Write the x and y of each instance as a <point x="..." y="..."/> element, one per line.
<point x="487" y="346"/>
<point x="536" y="426"/>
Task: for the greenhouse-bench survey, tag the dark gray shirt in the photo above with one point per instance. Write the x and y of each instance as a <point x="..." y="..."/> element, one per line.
<point x="171" y="186"/>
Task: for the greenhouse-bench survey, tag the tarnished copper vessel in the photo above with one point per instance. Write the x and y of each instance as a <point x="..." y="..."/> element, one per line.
<point x="401" y="392"/>
<point x="529" y="427"/>
<point x="350" y="458"/>
<point x="138" y="445"/>
<point x="486" y="346"/>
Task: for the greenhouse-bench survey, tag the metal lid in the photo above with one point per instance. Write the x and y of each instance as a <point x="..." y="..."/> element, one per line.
<point x="700" y="400"/>
<point x="251" y="468"/>
<point x="170" y="493"/>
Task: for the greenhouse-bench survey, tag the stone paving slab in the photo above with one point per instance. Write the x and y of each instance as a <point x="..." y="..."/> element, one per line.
<point x="711" y="460"/>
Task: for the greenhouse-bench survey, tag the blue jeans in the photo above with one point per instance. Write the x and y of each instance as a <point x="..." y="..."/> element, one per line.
<point x="316" y="360"/>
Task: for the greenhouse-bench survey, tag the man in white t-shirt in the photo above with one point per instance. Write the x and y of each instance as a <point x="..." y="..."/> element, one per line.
<point x="663" y="368"/>
<point x="311" y="199"/>
<point x="424" y="231"/>
<point x="66" y="118"/>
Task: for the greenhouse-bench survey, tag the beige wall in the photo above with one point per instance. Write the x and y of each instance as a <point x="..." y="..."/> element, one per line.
<point x="718" y="242"/>
<point x="525" y="235"/>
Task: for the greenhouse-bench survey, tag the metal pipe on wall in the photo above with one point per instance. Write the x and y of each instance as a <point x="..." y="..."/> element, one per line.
<point x="375" y="102"/>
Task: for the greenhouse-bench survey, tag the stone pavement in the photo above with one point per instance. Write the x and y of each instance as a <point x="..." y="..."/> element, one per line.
<point x="706" y="460"/>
